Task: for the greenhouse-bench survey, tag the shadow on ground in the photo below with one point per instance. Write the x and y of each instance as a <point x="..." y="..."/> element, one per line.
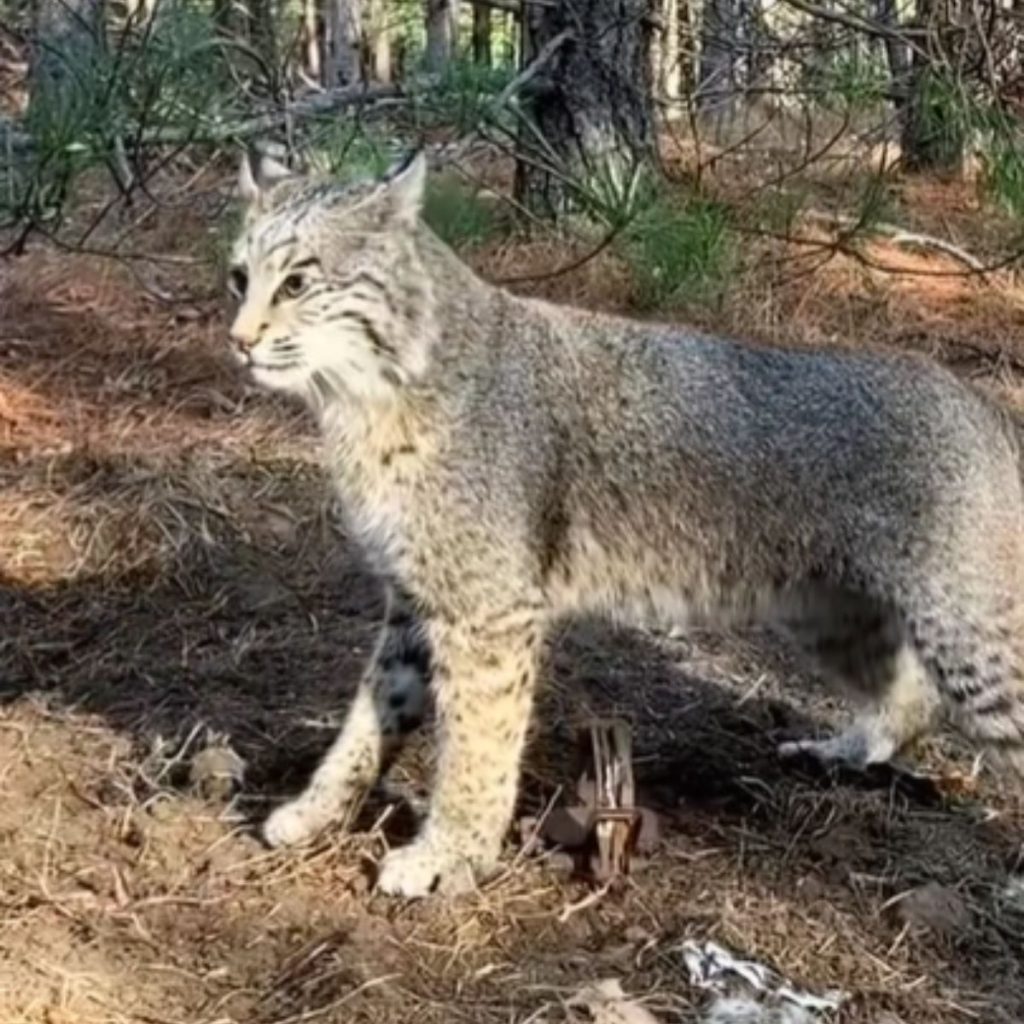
<point x="262" y="643"/>
<point x="171" y="564"/>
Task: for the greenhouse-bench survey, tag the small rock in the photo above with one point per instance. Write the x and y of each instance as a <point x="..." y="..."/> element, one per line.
<point x="937" y="909"/>
<point x="811" y="888"/>
<point x="841" y="844"/>
<point x="1012" y="895"/>
<point x="216" y="772"/>
<point x="606" y="1003"/>
<point x="650" y="831"/>
<point x="568" y="826"/>
<point x="561" y="863"/>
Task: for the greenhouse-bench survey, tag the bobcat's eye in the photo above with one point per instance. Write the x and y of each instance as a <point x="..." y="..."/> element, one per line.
<point x="291" y="287"/>
<point x="238" y="281"/>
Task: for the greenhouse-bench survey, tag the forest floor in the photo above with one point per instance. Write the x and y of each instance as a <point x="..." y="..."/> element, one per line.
<point x="172" y="580"/>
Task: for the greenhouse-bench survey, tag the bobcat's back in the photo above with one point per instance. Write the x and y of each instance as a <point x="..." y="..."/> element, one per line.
<point x="501" y="454"/>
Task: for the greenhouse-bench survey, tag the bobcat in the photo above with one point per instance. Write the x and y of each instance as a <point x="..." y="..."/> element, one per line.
<point x="504" y="461"/>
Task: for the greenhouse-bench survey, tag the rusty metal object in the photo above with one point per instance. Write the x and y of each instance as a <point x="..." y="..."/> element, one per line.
<point x="603" y="831"/>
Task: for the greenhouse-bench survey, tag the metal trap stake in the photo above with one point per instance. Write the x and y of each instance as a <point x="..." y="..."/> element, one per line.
<point x="602" y="830"/>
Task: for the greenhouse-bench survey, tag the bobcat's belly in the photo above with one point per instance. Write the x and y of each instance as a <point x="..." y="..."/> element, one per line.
<point x="642" y="584"/>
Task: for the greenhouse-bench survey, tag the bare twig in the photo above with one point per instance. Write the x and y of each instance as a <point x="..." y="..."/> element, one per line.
<point x="900" y="236"/>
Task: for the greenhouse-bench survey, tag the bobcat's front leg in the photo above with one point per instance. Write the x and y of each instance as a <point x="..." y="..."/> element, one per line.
<point x="388" y="705"/>
<point x="484" y="673"/>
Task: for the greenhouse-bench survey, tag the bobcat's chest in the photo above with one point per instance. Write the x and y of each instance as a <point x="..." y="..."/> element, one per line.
<point x="378" y="488"/>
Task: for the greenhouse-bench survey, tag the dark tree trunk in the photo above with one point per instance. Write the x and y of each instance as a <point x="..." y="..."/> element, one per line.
<point x="441" y="23"/>
<point x="717" y="83"/>
<point x="933" y="137"/>
<point x="344" y="64"/>
<point x="897" y="54"/>
<point x="68" y="35"/>
<point x="262" y="31"/>
<point x="482" y="34"/>
<point x="590" y="102"/>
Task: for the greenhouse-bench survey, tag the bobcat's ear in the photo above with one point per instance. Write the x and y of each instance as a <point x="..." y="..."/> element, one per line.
<point x="257" y="175"/>
<point x="403" y="189"/>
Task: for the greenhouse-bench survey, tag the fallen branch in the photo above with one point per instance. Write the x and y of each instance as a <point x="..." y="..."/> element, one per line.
<point x="544" y="54"/>
<point x="514" y="6"/>
<point x="911" y="238"/>
<point x="515" y="86"/>
<point x="900" y="236"/>
<point x="903" y="33"/>
<point x="327" y="102"/>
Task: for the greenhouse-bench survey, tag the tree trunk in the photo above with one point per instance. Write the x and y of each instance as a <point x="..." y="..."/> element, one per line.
<point x="510" y="35"/>
<point x="482" y="34"/>
<point x="717" y="84"/>
<point x="897" y="53"/>
<point x="69" y="34"/>
<point x="262" y="31"/>
<point x="753" y="41"/>
<point x="933" y="139"/>
<point x="440" y="21"/>
<point x="933" y="134"/>
<point x="380" y="41"/>
<point x="311" y="32"/>
<point x="343" y="64"/>
<point x="591" y="101"/>
<point x="671" y="78"/>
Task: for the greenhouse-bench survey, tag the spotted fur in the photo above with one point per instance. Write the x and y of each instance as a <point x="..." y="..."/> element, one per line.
<point x="504" y="461"/>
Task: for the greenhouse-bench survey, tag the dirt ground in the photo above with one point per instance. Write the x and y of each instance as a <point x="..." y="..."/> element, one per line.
<point x="173" y="580"/>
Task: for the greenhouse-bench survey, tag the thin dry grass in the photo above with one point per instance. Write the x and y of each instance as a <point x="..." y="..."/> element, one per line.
<point x="172" y="572"/>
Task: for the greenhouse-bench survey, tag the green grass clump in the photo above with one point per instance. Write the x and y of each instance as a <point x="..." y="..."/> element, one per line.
<point x="679" y="251"/>
<point x="1002" y="176"/>
<point x="458" y="215"/>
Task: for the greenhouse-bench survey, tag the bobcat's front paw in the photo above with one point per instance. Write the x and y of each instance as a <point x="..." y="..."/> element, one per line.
<point x="294" y="823"/>
<point x="424" y="867"/>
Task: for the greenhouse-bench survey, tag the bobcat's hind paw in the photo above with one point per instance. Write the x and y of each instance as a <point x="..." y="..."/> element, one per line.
<point x="855" y="749"/>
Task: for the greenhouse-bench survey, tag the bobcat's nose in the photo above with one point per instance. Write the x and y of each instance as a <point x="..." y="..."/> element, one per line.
<point x="246" y="333"/>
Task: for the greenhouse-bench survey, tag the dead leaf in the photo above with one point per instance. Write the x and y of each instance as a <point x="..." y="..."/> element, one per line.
<point x="608" y="1004"/>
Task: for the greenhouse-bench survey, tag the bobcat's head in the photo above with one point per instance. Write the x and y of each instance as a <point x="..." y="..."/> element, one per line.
<point x="333" y="302"/>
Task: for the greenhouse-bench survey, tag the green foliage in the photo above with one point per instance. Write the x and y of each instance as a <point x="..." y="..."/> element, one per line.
<point x="117" y="103"/>
<point x="462" y="99"/>
<point x="852" y="82"/>
<point x="349" y="150"/>
<point x="1001" y="154"/>
<point x="876" y="203"/>
<point x="459" y="216"/>
<point x="679" y="250"/>
<point x="1002" y="176"/>
<point x="466" y="92"/>
<point x="942" y="116"/>
<point x="616" y="192"/>
<point x="778" y="210"/>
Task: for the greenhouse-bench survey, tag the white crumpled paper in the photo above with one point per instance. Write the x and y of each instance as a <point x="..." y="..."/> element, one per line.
<point x="712" y="967"/>
<point x="773" y="1001"/>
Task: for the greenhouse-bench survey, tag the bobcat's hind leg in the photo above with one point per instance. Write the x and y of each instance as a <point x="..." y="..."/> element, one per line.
<point x="903" y="710"/>
<point x="862" y="648"/>
<point x="389" y="704"/>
